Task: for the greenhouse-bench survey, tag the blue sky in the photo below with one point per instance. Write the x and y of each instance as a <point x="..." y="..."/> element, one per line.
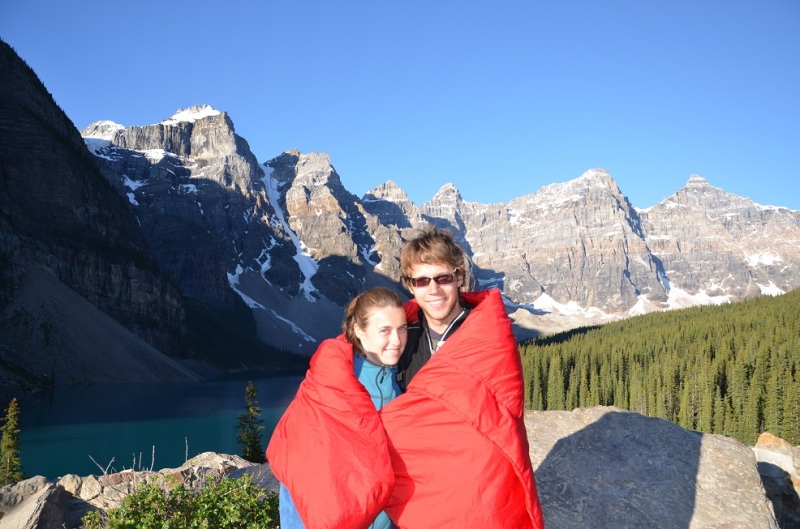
<point x="498" y="98"/>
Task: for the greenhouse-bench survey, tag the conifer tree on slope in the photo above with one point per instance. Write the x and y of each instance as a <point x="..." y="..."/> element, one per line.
<point x="10" y="463"/>
<point x="250" y="426"/>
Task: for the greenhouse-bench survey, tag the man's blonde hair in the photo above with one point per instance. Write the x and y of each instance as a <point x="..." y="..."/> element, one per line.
<point x="432" y="246"/>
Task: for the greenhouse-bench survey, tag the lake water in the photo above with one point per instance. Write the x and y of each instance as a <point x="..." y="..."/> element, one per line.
<point x="125" y="422"/>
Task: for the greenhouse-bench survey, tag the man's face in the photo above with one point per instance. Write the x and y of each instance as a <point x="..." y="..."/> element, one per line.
<point x="439" y="302"/>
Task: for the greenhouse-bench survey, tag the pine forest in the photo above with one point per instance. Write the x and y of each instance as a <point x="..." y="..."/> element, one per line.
<point x="732" y="369"/>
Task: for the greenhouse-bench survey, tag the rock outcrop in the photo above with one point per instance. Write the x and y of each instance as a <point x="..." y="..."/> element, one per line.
<point x="607" y="467"/>
<point x="38" y="504"/>
<point x="595" y="467"/>
<point x="779" y="466"/>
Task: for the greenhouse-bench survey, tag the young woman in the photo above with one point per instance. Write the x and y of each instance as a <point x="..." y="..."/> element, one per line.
<point x="317" y="449"/>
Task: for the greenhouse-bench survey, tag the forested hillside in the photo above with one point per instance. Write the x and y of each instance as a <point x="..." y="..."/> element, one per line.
<point x="731" y="369"/>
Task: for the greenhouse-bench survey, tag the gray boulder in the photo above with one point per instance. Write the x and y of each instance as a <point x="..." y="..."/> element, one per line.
<point x="605" y="467"/>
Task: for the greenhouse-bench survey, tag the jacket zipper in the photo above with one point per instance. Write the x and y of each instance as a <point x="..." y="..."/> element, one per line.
<point x="382" y="375"/>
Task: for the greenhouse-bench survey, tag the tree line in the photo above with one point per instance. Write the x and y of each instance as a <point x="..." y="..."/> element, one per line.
<point x="732" y="369"/>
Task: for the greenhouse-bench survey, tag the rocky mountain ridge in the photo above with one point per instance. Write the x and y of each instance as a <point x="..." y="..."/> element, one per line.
<point x="569" y="254"/>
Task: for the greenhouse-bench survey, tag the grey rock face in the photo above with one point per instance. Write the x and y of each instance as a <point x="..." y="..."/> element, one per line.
<point x="207" y="208"/>
<point x="609" y="468"/>
<point x="391" y="206"/>
<point x="723" y="245"/>
<point x="779" y="467"/>
<point x="199" y="195"/>
<point x="578" y="242"/>
<point x="286" y="236"/>
<point x="346" y="242"/>
<point x="59" y="215"/>
<point x="579" y="253"/>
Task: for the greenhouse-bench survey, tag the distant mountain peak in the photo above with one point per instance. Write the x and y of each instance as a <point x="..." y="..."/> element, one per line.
<point x="597" y="177"/>
<point x="447" y="190"/>
<point x="388" y="191"/>
<point x="103" y="130"/>
<point x="696" y="181"/>
<point x="596" y="174"/>
<point x="573" y="189"/>
<point x="191" y="114"/>
<point x="699" y="187"/>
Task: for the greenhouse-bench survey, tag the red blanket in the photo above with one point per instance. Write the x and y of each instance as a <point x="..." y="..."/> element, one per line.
<point x="329" y="448"/>
<point x="457" y="437"/>
<point x="457" y="451"/>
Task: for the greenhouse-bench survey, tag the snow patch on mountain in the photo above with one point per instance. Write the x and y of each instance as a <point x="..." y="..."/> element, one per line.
<point x="233" y="281"/>
<point x="156" y="155"/>
<point x="95" y="145"/>
<point x="191" y="114"/>
<point x="770" y="290"/>
<point x="133" y="185"/>
<point x="308" y="266"/>
<point x="642" y="306"/>
<point x="680" y="299"/>
<point x="763" y="258"/>
<point x="545" y="303"/>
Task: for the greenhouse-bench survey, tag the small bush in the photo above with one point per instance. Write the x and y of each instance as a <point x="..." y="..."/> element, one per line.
<point x="229" y="503"/>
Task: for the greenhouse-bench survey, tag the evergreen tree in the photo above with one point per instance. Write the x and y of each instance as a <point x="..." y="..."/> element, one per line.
<point x="790" y="426"/>
<point x="10" y="462"/>
<point x="250" y="424"/>
<point x="555" y="385"/>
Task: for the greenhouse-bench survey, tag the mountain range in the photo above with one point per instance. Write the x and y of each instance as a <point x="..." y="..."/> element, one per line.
<point x="143" y="231"/>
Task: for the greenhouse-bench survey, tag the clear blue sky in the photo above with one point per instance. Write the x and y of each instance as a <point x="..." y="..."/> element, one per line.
<point x="499" y="98"/>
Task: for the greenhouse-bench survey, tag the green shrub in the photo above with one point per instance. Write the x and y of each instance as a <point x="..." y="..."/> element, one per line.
<point x="229" y="503"/>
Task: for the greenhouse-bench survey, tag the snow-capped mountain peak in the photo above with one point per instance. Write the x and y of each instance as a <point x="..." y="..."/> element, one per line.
<point x="103" y="130"/>
<point x="191" y="114"/>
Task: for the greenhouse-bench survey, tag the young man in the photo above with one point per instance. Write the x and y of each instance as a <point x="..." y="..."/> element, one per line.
<point x="433" y="267"/>
<point x="456" y="437"/>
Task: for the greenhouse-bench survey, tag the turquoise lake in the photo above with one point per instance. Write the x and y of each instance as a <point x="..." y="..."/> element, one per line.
<point x="119" y="426"/>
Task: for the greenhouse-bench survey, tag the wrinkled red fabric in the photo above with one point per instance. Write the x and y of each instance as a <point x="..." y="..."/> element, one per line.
<point x="329" y="448"/>
<point x="457" y="437"/>
<point x="452" y="452"/>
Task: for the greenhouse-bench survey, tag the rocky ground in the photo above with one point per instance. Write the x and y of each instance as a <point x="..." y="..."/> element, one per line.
<point x="598" y="467"/>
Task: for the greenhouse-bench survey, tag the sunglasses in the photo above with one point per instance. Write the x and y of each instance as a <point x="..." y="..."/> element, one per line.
<point x="444" y="279"/>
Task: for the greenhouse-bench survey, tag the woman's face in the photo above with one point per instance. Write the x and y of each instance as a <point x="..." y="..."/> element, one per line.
<point x="384" y="337"/>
